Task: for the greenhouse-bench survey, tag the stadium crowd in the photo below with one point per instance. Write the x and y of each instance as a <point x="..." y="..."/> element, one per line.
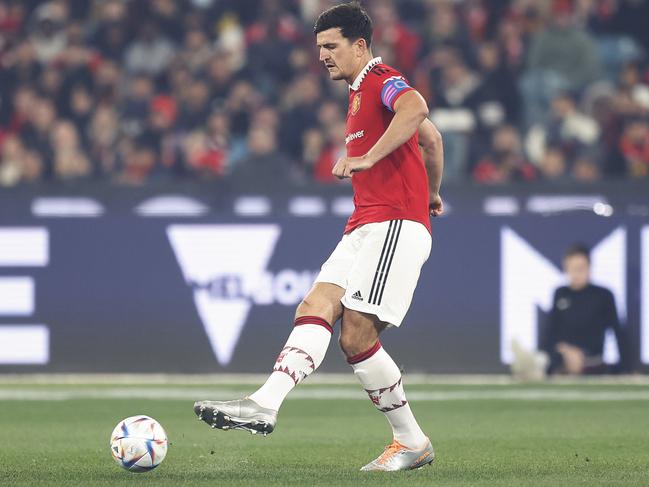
<point x="134" y="91"/>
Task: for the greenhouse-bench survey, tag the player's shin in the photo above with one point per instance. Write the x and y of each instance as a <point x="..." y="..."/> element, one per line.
<point x="303" y="353"/>
<point x="381" y="379"/>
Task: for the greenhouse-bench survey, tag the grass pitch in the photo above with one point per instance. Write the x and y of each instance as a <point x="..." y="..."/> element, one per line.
<point x="513" y="435"/>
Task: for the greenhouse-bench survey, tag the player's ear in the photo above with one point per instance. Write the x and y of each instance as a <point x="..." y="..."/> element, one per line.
<point x="360" y="46"/>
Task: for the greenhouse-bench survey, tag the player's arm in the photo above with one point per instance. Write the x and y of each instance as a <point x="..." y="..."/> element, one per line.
<point x="410" y="110"/>
<point x="432" y="151"/>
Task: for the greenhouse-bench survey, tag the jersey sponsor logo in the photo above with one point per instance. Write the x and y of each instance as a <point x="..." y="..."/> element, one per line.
<point x="357" y="295"/>
<point x="226" y="268"/>
<point x="354" y="136"/>
<point x="391" y="88"/>
<point x="356" y="104"/>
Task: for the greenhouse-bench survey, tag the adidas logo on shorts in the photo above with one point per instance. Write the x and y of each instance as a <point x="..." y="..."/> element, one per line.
<point x="357" y="295"/>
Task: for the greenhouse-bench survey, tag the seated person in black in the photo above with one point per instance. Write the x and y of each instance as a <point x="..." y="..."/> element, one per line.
<point x="581" y="313"/>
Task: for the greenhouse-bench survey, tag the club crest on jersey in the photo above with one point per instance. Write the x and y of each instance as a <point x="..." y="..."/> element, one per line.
<point x="356" y="103"/>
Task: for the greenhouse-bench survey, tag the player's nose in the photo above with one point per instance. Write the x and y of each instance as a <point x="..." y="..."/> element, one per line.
<point x="323" y="54"/>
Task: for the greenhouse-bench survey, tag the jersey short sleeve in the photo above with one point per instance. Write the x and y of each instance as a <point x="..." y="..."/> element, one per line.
<point x="393" y="86"/>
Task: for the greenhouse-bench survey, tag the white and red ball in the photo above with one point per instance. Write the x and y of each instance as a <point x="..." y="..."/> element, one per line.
<point x="138" y="443"/>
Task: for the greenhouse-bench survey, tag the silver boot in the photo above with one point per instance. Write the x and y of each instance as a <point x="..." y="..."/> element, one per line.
<point x="399" y="457"/>
<point x="241" y="414"/>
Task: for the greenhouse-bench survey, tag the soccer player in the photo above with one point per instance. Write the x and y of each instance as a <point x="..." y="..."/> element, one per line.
<point x="394" y="159"/>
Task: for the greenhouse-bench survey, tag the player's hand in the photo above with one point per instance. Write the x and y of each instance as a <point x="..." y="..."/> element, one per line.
<point x="435" y="206"/>
<point x="346" y="166"/>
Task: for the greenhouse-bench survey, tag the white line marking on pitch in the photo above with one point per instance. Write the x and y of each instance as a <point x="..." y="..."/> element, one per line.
<point x="227" y="380"/>
<point x="319" y="393"/>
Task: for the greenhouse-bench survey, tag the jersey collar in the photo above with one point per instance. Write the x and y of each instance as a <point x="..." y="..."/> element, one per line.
<point x="361" y="76"/>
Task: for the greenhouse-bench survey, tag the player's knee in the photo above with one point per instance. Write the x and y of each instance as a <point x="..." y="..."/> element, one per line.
<point x="304" y="308"/>
<point x="348" y="344"/>
<point x="324" y="307"/>
<point x="352" y="343"/>
<point x="313" y="307"/>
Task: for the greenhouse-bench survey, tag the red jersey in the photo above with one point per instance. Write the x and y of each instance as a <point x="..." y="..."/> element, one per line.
<point x="396" y="187"/>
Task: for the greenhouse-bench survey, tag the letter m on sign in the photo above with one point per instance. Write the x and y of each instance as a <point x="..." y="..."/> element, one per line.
<point x="528" y="280"/>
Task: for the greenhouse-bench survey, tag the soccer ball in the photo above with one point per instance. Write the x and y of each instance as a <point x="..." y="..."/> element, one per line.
<point x="138" y="444"/>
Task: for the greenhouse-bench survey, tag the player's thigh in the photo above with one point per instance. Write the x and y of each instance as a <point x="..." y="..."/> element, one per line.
<point x="323" y="300"/>
<point x="335" y="269"/>
<point x="384" y="276"/>
<point x="324" y="297"/>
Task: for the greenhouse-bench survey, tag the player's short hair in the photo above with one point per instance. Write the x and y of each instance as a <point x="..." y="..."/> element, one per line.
<point x="578" y="249"/>
<point x="351" y="18"/>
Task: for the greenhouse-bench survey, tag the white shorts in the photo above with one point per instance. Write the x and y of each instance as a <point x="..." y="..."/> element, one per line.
<point x="378" y="265"/>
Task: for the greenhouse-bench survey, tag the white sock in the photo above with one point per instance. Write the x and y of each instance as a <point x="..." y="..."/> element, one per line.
<point x="381" y="379"/>
<point x="303" y="353"/>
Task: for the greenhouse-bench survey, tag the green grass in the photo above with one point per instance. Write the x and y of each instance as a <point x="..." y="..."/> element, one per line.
<point x="324" y="442"/>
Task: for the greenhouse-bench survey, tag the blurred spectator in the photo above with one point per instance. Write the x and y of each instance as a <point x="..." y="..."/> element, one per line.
<point x="634" y="147"/>
<point x="498" y="91"/>
<point x="562" y="138"/>
<point x="313" y="142"/>
<point x="70" y="161"/>
<point x="569" y="127"/>
<point x="632" y="83"/>
<point x="323" y="150"/>
<point x="553" y="165"/>
<point x="80" y="110"/>
<point x="196" y="51"/>
<point x="323" y="144"/>
<point x="506" y="162"/>
<point x="586" y="170"/>
<point x="397" y="43"/>
<point x="103" y="134"/>
<point x="22" y="66"/>
<point x="19" y="164"/>
<point x="48" y="34"/>
<point x="135" y="103"/>
<point x="243" y="99"/>
<point x="195" y="106"/>
<point x="36" y="133"/>
<point x="561" y="57"/>
<point x="107" y="79"/>
<point x="168" y="89"/>
<point x="220" y="74"/>
<point x="264" y="161"/>
<point x="11" y="164"/>
<point x="455" y="115"/>
<point x="110" y="36"/>
<point x="300" y="104"/>
<point x="166" y="14"/>
<point x="150" y="52"/>
<point x="445" y="29"/>
<point x="158" y="140"/>
<point x="270" y="39"/>
<point x="12" y="16"/>
<point x="206" y="152"/>
<point x="565" y="49"/>
<point x="138" y="162"/>
<point x="24" y="102"/>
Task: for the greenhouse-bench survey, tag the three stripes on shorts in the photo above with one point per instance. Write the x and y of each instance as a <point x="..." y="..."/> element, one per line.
<point x="385" y="262"/>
